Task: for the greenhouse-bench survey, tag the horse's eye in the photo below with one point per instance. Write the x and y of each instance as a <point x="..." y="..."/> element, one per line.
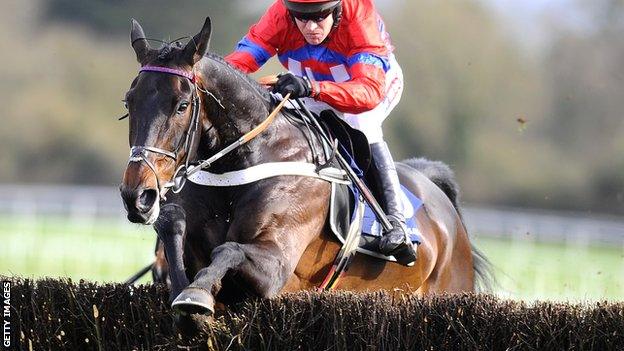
<point x="183" y="106"/>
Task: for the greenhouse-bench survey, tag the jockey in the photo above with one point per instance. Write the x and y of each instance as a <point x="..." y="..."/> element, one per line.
<point x="339" y="58"/>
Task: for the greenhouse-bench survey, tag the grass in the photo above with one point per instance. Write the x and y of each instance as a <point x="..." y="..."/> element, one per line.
<point x="111" y="250"/>
<point x="532" y="270"/>
<point x="95" y="249"/>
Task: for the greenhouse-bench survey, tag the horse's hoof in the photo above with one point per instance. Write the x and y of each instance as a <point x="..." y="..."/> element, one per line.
<point x="192" y="325"/>
<point x="194" y="300"/>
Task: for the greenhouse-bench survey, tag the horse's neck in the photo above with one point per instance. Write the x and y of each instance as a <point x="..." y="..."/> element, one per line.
<point x="245" y="106"/>
<point x="241" y="101"/>
<point x="234" y="106"/>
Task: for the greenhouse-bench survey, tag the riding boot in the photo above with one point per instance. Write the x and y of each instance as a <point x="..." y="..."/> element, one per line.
<point x="396" y="242"/>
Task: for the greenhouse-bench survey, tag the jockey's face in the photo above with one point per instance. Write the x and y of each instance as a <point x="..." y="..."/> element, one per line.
<point x="315" y="31"/>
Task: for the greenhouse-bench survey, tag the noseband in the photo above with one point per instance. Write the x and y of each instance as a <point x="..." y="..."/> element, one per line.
<point x="138" y="153"/>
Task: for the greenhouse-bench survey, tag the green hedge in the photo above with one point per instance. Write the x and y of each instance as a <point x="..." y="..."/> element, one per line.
<point x="52" y="314"/>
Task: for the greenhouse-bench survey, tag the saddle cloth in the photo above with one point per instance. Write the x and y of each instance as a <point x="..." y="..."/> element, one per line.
<point x="341" y="214"/>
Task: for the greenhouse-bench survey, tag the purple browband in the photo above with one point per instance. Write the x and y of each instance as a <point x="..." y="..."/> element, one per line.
<point x="177" y="72"/>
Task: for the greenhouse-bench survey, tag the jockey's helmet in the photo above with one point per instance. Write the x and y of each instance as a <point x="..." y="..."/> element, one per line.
<point x="313" y="9"/>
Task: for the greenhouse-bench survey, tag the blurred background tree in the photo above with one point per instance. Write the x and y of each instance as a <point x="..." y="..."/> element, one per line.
<point x="586" y="85"/>
<point x="521" y="124"/>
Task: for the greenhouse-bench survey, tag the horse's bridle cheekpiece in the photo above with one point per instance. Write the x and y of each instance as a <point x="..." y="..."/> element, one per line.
<point x="138" y="153"/>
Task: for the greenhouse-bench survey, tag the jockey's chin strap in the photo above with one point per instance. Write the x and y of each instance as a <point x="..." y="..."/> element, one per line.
<point x="177" y="181"/>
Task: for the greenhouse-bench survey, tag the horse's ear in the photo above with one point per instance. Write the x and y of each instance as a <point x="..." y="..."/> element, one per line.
<point x="198" y="46"/>
<point x="139" y="42"/>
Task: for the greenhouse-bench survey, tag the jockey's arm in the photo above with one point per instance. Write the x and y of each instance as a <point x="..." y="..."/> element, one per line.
<point x="249" y="55"/>
<point x="367" y="59"/>
<point x="363" y="92"/>
<point x="260" y="43"/>
<point x="367" y="62"/>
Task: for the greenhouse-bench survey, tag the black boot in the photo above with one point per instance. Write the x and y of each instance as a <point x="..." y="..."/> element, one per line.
<point x="396" y="242"/>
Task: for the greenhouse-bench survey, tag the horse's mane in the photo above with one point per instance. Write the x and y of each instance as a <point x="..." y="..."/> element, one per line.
<point x="168" y="49"/>
<point x="252" y="82"/>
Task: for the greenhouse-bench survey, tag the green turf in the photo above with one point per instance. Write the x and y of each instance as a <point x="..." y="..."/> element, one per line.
<point x="96" y="249"/>
<point x="531" y="270"/>
<point x="113" y="250"/>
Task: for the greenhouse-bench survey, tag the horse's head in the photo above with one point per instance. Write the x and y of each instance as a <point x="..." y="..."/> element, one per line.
<point x="164" y="112"/>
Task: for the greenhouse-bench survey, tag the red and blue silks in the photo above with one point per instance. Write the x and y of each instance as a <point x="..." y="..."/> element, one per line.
<point x="348" y="68"/>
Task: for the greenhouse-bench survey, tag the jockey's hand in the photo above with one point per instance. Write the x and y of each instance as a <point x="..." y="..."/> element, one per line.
<point x="298" y="87"/>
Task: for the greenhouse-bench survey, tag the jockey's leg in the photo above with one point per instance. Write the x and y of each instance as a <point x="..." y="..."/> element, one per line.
<point x="396" y="242"/>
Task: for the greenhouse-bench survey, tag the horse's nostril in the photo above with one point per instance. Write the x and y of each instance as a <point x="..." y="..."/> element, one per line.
<point x="147" y="199"/>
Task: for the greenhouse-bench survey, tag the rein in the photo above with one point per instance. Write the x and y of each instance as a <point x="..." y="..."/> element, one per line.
<point x="242" y="140"/>
<point x="138" y="153"/>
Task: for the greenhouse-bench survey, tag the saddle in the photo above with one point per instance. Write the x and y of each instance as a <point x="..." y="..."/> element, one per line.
<point x="343" y="197"/>
<point x="343" y="205"/>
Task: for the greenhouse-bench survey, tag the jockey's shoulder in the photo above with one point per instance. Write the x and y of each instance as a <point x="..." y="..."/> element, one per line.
<point x="356" y="9"/>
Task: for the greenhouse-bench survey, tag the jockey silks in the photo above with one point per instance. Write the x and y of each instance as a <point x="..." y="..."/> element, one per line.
<point x="348" y="69"/>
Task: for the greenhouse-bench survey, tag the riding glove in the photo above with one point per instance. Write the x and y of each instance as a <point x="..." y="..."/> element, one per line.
<point x="298" y="87"/>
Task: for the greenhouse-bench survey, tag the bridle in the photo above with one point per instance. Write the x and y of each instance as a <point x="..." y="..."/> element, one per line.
<point x="138" y="153"/>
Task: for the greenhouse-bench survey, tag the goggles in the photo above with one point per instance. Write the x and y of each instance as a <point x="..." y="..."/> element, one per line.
<point x="314" y="17"/>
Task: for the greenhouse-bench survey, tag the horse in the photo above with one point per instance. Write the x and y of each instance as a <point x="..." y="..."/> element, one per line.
<point x="225" y="244"/>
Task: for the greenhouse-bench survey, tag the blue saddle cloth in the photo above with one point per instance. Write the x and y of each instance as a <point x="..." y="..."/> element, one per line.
<point x="411" y="204"/>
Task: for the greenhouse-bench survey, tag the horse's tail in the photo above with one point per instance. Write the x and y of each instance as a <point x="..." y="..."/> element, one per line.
<point x="484" y="280"/>
<point x="441" y="175"/>
<point x="444" y="177"/>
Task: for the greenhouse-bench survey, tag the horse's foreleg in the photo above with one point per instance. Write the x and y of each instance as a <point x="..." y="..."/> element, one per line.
<point x="255" y="264"/>
<point x="160" y="268"/>
<point x="171" y="227"/>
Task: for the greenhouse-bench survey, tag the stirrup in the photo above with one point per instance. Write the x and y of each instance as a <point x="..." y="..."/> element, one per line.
<point x="405" y="252"/>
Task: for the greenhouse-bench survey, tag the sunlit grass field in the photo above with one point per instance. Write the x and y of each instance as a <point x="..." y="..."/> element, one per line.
<point x="112" y="250"/>
<point x="530" y="270"/>
<point x="93" y="249"/>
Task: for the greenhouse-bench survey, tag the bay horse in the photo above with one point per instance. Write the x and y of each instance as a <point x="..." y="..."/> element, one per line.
<point x="226" y="243"/>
